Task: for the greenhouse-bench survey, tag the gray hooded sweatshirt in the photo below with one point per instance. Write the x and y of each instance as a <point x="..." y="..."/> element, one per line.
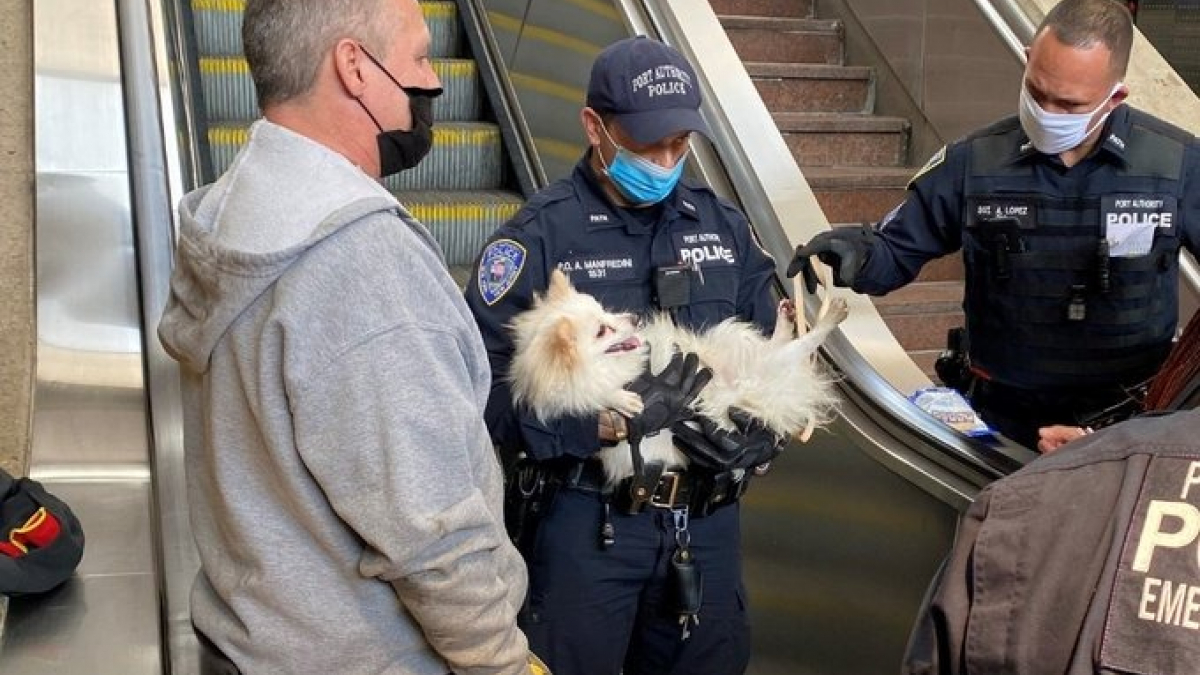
<point x="344" y="495"/>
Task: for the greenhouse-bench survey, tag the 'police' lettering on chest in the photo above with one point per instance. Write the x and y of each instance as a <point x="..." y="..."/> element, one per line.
<point x="1139" y="210"/>
<point x="1156" y="599"/>
<point x="703" y="249"/>
<point x="599" y="268"/>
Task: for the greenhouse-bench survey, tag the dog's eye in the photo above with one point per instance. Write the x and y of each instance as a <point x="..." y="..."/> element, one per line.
<point x="604" y="330"/>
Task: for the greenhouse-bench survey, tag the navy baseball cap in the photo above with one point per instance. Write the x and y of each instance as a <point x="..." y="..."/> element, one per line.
<point x="648" y="87"/>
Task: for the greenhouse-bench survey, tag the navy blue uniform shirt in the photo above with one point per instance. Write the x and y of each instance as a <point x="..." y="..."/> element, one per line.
<point x="1056" y="309"/>
<point x="929" y="223"/>
<point x="610" y="253"/>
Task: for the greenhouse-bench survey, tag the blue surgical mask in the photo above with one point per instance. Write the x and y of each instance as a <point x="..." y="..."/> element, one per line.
<point x="1055" y="133"/>
<point x="638" y="179"/>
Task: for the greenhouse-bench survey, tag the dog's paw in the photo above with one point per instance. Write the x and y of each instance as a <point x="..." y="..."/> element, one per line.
<point x="785" y="321"/>
<point x="839" y="309"/>
<point x="628" y="403"/>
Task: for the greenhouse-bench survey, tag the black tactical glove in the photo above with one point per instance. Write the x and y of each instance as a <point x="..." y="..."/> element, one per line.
<point x="667" y="395"/>
<point x="845" y="249"/>
<point x="750" y="445"/>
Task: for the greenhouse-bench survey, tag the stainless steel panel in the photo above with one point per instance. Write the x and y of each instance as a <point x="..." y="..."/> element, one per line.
<point x="90" y="443"/>
<point x="839" y="551"/>
<point x="104" y="621"/>
<point x="89" y="625"/>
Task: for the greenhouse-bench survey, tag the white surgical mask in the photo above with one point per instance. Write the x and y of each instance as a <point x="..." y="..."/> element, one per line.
<point x="1054" y="133"/>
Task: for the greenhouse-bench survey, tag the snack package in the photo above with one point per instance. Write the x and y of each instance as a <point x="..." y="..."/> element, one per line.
<point x="950" y="408"/>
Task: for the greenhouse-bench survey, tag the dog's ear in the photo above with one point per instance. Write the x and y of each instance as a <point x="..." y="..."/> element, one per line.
<point x="560" y="285"/>
<point x="563" y="346"/>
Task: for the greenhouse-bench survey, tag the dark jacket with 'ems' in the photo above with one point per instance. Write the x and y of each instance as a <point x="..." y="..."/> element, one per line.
<point x="1084" y="561"/>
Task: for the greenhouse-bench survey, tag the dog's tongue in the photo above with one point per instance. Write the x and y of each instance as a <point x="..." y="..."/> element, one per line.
<point x="627" y="345"/>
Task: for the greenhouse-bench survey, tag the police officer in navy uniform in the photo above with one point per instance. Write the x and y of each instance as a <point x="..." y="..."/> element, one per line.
<point x="1070" y="216"/>
<point x="604" y="592"/>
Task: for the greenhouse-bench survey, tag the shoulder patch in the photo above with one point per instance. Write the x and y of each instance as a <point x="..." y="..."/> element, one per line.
<point x="499" y="267"/>
<point x="933" y="163"/>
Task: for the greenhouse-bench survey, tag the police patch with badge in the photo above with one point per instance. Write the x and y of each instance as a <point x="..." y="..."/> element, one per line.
<point x="499" y="267"/>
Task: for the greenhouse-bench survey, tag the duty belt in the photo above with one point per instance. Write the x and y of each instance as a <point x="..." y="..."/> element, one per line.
<point x="701" y="491"/>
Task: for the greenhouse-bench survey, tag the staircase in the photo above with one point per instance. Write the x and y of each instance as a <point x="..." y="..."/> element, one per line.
<point x="857" y="162"/>
<point x="459" y="191"/>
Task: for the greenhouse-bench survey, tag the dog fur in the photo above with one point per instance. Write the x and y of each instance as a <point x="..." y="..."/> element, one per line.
<point x="573" y="358"/>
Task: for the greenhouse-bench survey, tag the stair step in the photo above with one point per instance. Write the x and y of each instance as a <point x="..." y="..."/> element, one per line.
<point x="229" y="94"/>
<point x="757" y="38"/>
<point x="919" y="297"/>
<point x="784" y="8"/>
<point x="822" y="122"/>
<point x="844" y="139"/>
<point x="461" y="220"/>
<point x="927" y="331"/>
<point x="811" y="88"/>
<point x="219" y="27"/>
<point x="857" y="194"/>
<point x="465" y="156"/>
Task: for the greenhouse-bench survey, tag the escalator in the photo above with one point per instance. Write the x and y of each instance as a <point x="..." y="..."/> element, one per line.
<point x="462" y="191"/>
<point x="840" y="539"/>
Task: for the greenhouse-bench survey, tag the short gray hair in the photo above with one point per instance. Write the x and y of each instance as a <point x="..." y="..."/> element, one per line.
<point x="1084" y="23"/>
<point x="285" y="41"/>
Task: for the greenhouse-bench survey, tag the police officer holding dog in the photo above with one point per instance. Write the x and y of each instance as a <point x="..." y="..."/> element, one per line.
<point x="619" y="584"/>
<point x="1070" y="216"/>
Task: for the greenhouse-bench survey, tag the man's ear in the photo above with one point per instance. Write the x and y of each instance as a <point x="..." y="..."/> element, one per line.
<point x="1120" y="95"/>
<point x="348" y="64"/>
<point x="590" y="120"/>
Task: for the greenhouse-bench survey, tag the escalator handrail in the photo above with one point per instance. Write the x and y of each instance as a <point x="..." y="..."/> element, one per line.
<point x="915" y="433"/>
<point x="151" y="176"/>
<point x="518" y="139"/>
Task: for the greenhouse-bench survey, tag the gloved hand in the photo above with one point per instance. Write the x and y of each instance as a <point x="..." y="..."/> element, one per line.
<point x="750" y="445"/>
<point x="845" y="249"/>
<point x="667" y="395"/>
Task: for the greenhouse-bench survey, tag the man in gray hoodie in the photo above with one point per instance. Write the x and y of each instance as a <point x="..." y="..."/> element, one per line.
<point x="345" y="497"/>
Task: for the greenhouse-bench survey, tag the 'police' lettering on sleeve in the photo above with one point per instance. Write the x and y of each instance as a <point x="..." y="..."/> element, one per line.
<point x="1153" y="623"/>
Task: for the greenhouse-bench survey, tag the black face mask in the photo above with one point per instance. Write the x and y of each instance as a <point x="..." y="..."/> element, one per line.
<point x="400" y="150"/>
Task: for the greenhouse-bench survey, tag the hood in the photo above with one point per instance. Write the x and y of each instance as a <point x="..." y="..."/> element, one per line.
<point x="283" y="195"/>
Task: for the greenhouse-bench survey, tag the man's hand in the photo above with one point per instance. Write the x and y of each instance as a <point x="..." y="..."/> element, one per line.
<point x="1055" y="436"/>
<point x="845" y="249"/>
<point x="667" y="395"/>
<point x="750" y="445"/>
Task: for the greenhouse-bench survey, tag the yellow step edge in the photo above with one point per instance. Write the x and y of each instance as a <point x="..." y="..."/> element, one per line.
<point x="436" y="10"/>
<point x="453" y="211"/>
<point x="236" y="65"/>
<point x="442" y="135"/>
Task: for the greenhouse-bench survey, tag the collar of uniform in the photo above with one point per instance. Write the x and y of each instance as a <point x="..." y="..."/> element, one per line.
<point x="1116" y="133"/>
<point x="1112" y="139"/>
<point x="602" y="214"/>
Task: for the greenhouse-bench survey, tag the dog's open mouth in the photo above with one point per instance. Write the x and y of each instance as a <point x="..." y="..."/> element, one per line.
<point x="627" y="345"/>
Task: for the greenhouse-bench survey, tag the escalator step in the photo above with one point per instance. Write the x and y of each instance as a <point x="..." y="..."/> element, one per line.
<point x="465" y="156"/>
<point x="229" y="91"/>
<point x="219" y="27"/>
<point x="461" y="221"/>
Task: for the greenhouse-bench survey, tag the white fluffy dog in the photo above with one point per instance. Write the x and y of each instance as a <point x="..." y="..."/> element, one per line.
<point x="573" y="358"/>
